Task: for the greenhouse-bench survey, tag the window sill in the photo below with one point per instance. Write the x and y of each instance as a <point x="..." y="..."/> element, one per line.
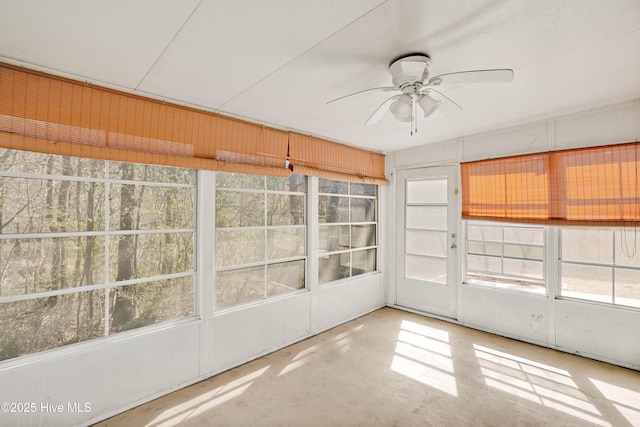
<point x="541" y="291"/>
<point x="262" y="302"/>
<point x="348" y="279"/>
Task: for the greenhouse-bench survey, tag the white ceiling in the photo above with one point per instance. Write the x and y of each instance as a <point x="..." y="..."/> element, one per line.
<point x="278" y="62"/>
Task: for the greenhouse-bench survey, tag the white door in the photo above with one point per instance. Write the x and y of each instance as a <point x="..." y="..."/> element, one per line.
<point x="427" y="240"/>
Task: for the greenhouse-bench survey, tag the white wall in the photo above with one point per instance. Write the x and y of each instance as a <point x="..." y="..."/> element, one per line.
<point x="107" y="374"/>
<point x="131" y="368"/>
<point x="600" y="332"/>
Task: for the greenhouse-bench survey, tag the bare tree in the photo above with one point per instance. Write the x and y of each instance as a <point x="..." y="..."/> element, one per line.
<point x="123" y="306"/>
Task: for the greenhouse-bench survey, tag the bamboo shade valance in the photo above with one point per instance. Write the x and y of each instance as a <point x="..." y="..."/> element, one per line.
<point x="590" y="186"/>
<point x="326" y="159"/>
<point x="40" y="112"/>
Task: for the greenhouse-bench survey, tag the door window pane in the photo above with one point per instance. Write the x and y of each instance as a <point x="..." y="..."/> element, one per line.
<point x="426" y="269"/>
<point x="432" y="243"/>
<point x="429" y="191"/>
<point x="427" y="217"/>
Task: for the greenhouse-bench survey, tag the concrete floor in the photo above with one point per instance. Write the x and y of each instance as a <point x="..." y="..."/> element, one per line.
<point x="392" y="368"/>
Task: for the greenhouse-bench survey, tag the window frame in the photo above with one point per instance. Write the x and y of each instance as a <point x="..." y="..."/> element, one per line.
<point x="526" y="282"/>
<point x="350" y="250"/>
<point x="109" y="235"/>
<point x="612" y="267"/>
<point x="265" y="262"/>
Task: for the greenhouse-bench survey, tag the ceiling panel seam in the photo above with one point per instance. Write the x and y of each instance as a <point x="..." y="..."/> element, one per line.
<point x="169" y="44"/>
<point x="301" y="54"/>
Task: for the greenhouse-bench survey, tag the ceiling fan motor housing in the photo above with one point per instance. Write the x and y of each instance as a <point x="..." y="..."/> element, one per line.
<point x="410" y="70"/>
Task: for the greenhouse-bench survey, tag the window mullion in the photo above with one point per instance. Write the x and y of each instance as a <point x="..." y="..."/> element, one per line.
<point x="613" y="270"/>
<point x="107" y="246"/>
<point x="265" y="243"/>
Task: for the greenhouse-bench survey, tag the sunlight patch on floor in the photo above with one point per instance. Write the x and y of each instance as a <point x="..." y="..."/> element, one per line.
<point x="626" y="401"/>
<point x="293" y="365"/>
<point x="536" y="382"/>
<point x="426" y="331"/>
<point x="424" y="355"/>
<point x="420" y="341"/>
<point x="205" y="401"/>
<point x="425" y="374"/>
<point x="341" y="342"/>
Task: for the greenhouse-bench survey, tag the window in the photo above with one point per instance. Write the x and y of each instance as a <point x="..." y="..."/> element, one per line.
<point x="600" y="264"/>
<point x="260" y="237"/>
<point x="505" y="256"/>
<point x="347" y="229"/>
<point x="89" y="248"/>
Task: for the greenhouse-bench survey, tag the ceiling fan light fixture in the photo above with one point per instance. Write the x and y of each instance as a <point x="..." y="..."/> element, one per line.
<point x="401" y="108"/>
<point x="428" y="105"/>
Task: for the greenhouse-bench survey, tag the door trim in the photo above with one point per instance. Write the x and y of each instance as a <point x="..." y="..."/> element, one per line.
<point x="429" y="297"/>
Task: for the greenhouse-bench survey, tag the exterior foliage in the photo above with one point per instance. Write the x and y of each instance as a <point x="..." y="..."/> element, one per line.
<point x="89" y="248"/>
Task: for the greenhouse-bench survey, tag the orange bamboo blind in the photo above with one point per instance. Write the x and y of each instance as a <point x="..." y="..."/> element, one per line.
<point x="40" y="112"/>
<point x="326" y="159"/>
<point x="590" y="186"/>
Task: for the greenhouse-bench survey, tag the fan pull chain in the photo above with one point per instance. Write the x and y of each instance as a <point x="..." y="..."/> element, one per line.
<point x="414" y="115"/>
<point x="412" y="103"/>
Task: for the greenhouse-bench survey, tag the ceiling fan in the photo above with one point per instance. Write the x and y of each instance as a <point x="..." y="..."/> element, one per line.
<point x="411" y="76"/>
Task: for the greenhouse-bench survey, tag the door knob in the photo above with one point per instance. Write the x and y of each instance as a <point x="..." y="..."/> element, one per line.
<point x="454" y="246"/>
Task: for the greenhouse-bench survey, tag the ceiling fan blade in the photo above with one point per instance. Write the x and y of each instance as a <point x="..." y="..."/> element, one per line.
<point x="383" y="89"/>
<point x="503" y="75"/>
<point x="448" y="105"/>
<point x="380" y="111"/>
